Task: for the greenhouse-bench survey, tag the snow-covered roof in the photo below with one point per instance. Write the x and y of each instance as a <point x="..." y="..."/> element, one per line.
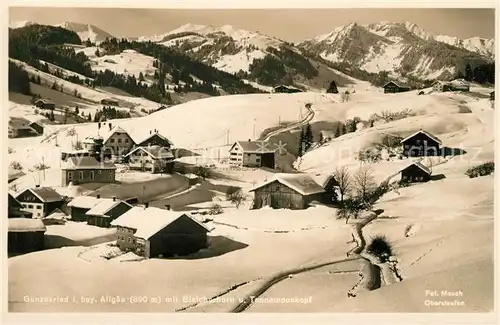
<point x="85" y="202"/>
<point x="104" y="206"/>
<point x="397" y="83"/>
<point x="148" y="221"/>
<point x="86" y="163"/>
<point x="45" y="194"/>
<point x="57" y="214"/>
<point x="419" y="165"/>
<point x="116" y="129"/>
<point x="256" y="146"/>
<point x="15" y="174"/>
<point x="156" y="152"/>
<point x="19" y="123"/>
<point x="301" y="183"/>
<point x="149" y="136"/>
<point x="424" y="132"/>
<point x="26" y="225"/>
<point x="191" y="176"/>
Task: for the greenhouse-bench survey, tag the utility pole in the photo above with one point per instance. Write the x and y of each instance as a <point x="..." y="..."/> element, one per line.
<point x="279" y="120"/>
<point x="43" y="167"/>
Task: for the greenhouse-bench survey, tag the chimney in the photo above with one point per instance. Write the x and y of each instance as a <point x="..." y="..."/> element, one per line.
<point x="98" y="196"/>
<point x="249" y="140"/>
<point x="114" y="198"/>
<point x="167" y="206"/>
<point x="146" y="205"/>
<point x="37" y="185"/>
<point x="150" y="132"/>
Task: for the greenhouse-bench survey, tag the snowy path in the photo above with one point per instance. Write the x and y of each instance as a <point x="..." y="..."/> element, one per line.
<point x="308" y="118"/>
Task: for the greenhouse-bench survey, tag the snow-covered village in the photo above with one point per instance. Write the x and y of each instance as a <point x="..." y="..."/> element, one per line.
<point x="220" y="169"/>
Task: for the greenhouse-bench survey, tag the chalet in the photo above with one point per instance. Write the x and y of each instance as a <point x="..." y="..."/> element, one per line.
<point x="421" y="143"/>
<point x="153" y="159"/>
<point x="25" y="235"/>
<point x="56" y="217"/>
<point x="442" y="86"/>
<point x="286" y="89"/>
<point x="153" y="232"/>
<point x="15" y="209"/>
<point x="110" y="102"/>
<point x="492" y="96"/>
<point x="40" y="201"/>
<point x="395" y="87"/>
<point x="117" y="142"/>
<point x="105" y="211"/>
<point x="80" y="205"/>
<point x="67" y="154"/>
<point x="287" y="191"/>
<point x="82" y="170"/>
<point x="20" y="127"/>
<point x="253" y="154"/>
<point x="154" y="139"/>
<point x="415" y="172"/>
<point x="45" y="104"/>
<point x="460" y="85"/>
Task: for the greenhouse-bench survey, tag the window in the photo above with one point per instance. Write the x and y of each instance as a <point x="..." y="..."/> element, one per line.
<point x="111" y="176"/>
<point x="112" y="140"/>
<point x="418" y="141"/>
<point x="70" y="176"/>
<point x="24" y="205"/>
<point x="81" y="175"/>
<point x="126" y="140"/>
<point x="30" y="206"/>
<point x="129" y="240"/>
<point x="119" y="140"/>
<point x="39" y="207"/>
<point x="133" y="241"/>
<point x="39" y="214"/>
<point x="99" y="172"/>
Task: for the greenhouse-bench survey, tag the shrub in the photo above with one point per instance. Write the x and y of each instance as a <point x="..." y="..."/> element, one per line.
<point x="41" y="166"/>
<point x="203" y="172"/>
<point x="215" y="209"/>
<point x="71" y="132"/>
<point x="237" y="198"/>
<point x="16" y="165"/>
<point x="380" y="247"/>
<point x="10" y="150"/>
<point x="481" y="170"/>
<point x="369" y="155"/>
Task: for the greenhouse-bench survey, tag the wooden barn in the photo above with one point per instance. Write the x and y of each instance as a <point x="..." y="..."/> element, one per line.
<point x="421" y="144"/>
<point x="253" y="154"/>
<point x="286" y="89"/>
<point x="37" y="126"/>
<point x="287" y="191"/>
<point x="331" y="186"/>
<point x="25" y="235"/>
<point x="416" y="172"/>
<point x="155" y="139"/>
<point x="40" y="201"/>
<point x="80" y="205"/>
<point x="154" y="232"/>
<point x="15" y="209"/>
<point x="106" y="211"/>
<point x="45" y="104"/>
<point x="20" y="127"/>
<point x="395" y="87"/>
<point x="110" y="102"/>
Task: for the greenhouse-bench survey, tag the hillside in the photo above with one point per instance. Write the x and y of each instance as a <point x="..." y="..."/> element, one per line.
<point x="252" y="55"/>
<point x="441" y="230"/>
<point x="401" y="48"/>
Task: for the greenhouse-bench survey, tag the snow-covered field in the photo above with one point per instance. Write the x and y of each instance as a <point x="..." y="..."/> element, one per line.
<point x="449" y="222"/>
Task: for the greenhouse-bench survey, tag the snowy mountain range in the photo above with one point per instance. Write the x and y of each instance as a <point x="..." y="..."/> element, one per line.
<point x="402" y="49"/>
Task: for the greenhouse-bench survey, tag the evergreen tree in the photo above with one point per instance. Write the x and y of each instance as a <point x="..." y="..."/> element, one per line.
<point x="333" y="88"/>
<point x="300" y="151"/>
<point x="468" y="72"/>
<point x="308" y="137"/>
<point x="77" y="110"/>
<point x="338" y="129"/>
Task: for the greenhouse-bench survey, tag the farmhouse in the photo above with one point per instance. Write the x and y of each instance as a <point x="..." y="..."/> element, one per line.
<point x="15" y="209"/>
<point x="105" y="211"/>
<point x="56" y="217"/>
<point x="117" y="142"/>
<point x="286" y="89"/>
<point x="151" y="232"/>
<point x="253" y="154"/>
<point x="110" y="101"/>
<point x="45" y="104"/>
<point x="82" y="170"/>
<point x="421" y="143"/>
<point x="25" y="235"/>
<point x="155" y="139"/>
<point x="21" y="127"/>
<point x="415" y="172"/>
<point x="80" y="205"/>
<point x="460" y="85"/>
<point x="395" y="87"/>
<point x="151" y="158"/>
<point x="441" y="86"/>
<point x="287" y="191"/>
<point x="40" y="201"/>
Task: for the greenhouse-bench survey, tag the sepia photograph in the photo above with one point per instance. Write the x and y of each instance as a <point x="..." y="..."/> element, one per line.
<point x="300" y="160"/>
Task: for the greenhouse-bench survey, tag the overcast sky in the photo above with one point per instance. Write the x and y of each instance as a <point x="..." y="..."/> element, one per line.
<point x="288" y="24"/>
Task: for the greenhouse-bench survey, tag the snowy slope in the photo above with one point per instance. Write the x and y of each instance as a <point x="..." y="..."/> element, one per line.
<point x="87" y="31"/>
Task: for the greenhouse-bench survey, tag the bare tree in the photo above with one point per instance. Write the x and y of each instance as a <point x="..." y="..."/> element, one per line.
<point x="344" y="181"/>
<point x="237" y="198"/>
<point x="364" y="182"/>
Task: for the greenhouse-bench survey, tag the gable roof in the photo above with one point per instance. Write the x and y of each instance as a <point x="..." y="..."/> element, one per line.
<point x="86" y="163"/>
<point x="57" y="214"/>
<point x="301" y="183"/>
<point x="84" y="202"/>
<point x="13" y="203"/>
<point x="104" y="206"/>
<point x="156" y="152"/>
<point x="441" y="82"/>
<point x="149" y="136"/>
<point x="397" y="83"/>
<point x="114" y="130"/>
<point x="26" y="225"/>
<point x="44" y="194"/>
<point x="256" y="146"/>
<point x="419" y="165"/>
<point x="20" y="123"/>
<point x="424" y="132"/>
<point x="148" y="221"/>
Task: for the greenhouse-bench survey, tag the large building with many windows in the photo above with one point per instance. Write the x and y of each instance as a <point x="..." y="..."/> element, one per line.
<point x="82" y="170"/>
